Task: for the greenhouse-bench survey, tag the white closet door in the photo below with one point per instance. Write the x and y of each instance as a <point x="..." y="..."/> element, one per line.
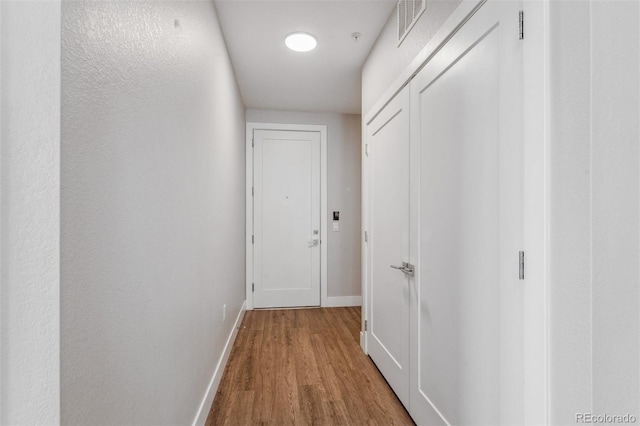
<point x="466" y="334"/>
<point x="388" y="140"/>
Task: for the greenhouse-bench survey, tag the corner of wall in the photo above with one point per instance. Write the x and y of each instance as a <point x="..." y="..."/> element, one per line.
<point x="29" y="212"/>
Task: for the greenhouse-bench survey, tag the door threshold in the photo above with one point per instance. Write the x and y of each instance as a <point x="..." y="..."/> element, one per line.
<point x="287" y="308"/>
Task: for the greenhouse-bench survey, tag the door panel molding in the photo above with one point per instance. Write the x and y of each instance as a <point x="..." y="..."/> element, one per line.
<point x="249" y="269"/>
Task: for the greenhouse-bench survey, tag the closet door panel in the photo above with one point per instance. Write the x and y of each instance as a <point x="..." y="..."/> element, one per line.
<point x="466" y="338"/>
<point x="388" y="140"/>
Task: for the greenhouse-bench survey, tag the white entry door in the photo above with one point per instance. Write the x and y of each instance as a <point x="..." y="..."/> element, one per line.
<point x="389" y="287"/>
<point x="467" y="317"/>
<point x="286" y="218"/>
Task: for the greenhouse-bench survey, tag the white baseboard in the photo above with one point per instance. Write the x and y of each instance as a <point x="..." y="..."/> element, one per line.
<point x="207" y="401"/>
<point x="334" y="302"/>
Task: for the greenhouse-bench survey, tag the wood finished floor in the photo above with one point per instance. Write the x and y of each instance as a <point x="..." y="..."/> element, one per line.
<point x="303" y="367"/>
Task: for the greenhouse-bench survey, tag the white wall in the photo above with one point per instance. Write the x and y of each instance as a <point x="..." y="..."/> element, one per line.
<point x="152" y="227"/>
<point x="594" y="208"/>
<point x="343" y="191"/>
<point x="387" y="60"/>
<point x="29" y="227"/>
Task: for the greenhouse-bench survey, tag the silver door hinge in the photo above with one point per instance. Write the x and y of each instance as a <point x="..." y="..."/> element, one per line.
<point x="366" y="149"/>
<point x="252" y="142"/>
<point x="366" y="237"/>
<point x="252" y="239"/>
<point x="252" y="191"/>
<point x="521" y="265"/>
<point x="253" y="287"/>
<point x="365" y="325"/>
<point x="521" y="25"/>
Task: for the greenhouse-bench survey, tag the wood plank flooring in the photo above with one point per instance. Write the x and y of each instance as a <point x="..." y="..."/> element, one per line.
<point x="303" y="367"/>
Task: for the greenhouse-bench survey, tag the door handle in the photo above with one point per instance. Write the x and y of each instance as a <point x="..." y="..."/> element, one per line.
<point x="406" y="267"/>
<point x="314" y="242"/>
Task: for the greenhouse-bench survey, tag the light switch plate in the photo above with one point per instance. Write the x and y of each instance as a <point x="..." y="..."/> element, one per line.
<point x="336" y="226"/>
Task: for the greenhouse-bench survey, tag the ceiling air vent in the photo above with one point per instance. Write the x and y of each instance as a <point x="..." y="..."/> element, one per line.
<point x="408" y="12"/>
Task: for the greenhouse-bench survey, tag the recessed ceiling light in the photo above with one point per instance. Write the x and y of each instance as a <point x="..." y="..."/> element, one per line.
<point x="301" y="42"/>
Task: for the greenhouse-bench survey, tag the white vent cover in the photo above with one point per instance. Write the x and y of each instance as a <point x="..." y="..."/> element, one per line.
<point x="408" y="13"/>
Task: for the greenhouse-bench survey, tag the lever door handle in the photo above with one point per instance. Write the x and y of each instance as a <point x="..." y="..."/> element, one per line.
<point x="313" y="242"/>
<point x="406" y="267"/>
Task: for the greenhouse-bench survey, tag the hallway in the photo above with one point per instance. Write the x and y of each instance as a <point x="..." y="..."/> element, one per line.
<point x="478" y="212"/>
<point x="303" y="366"/>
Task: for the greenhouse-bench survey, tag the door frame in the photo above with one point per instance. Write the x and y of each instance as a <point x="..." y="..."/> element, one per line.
<point x="536" y="163"/>
<point x="322" y="129"/>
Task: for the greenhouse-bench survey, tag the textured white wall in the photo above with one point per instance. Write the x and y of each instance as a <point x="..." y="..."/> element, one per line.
<point x="594" y="208"/>
<point x="343" y="191"/>
<point x="29" y="226"/>
<point x="387" y="60"/>
<point x="152" y="229"/>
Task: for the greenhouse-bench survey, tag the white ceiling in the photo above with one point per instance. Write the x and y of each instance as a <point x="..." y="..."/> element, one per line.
<point x="327" y="79"/>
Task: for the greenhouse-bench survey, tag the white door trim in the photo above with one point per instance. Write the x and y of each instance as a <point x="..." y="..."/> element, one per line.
<point x="322" y="129"/>
<point x="536" y="186"/>
<point x="536" y="224"/>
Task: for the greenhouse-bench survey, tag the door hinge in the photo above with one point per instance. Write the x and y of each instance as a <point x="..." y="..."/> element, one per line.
<point x="252" y="191"/>
<point x="521" y="265"/>
<point x="366" y="237"/>
<point x="365" y="325"/>
<point x="252" y="142"/>
<point x="366" y="149"/>
<point x="252" y="239"/>
<point x="253" y="287"/>
<point x="521" y="25"/>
